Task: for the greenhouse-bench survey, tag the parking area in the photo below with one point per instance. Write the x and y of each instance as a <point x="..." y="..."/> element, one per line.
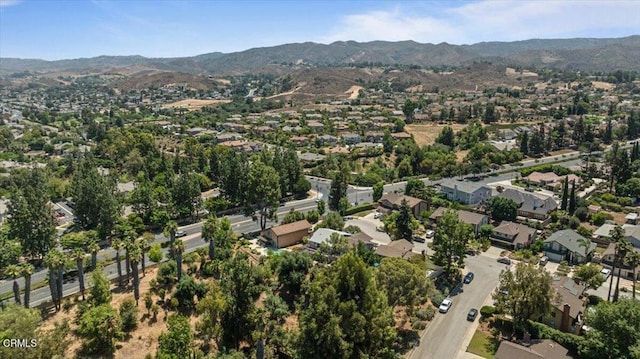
<point x="369" y="225"/>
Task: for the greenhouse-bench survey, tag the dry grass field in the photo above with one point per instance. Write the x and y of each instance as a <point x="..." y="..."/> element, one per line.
<point x="194" y="104"/>
<point x="425" y="134"/>
<point x="602" y="85"/>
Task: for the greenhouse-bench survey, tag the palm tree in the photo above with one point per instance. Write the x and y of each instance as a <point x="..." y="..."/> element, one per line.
<point x="51" y="262"/>
<point x="14" y="270"/>
<point x="170" y="231"/>
<point x="136" y="256"/>
<point x="27" y="271"/>
<point x="117" y="246"/>
<point x="128" y="245"/>
<point x="94" y="248"/>
<point x="178" y="249"/>
<point x="143" y="244"/>
<point x="617" y="234"/>
<point x="61" y="260"/>
<point x="623" y="252"/>
<point x="78" y="254"/>
<point x="633" y="259"/>
<point x="586" y="244"/>
<point x="209" y="229"/>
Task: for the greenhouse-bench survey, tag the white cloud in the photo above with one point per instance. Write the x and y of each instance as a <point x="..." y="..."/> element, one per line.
<point x="490" y="20"/>
<point x="7" y="3"/>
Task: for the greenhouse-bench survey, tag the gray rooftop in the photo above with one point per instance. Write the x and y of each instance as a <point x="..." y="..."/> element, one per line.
<point x="570" y="240"/>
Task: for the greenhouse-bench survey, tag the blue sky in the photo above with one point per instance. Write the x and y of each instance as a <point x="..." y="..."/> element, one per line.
<point x="50" y="29"/>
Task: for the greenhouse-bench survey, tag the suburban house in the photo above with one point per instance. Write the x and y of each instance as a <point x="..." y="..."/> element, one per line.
<point x="512" y="235"/>
<point x="530" y="205"/>
<point x="287" y="234"/>
<point x="351" y="138"/>
<point x="400" y="248"/>
<point x="568" y="304"/>
<point x="363" y="238"/>
<point x="322" y="235"/>
<point x="393" y="201"/>
<point x="550" y="180"/>
<point x="567" y="245"/>
<point x="632" y="218"/>
<point x="603" y="236"/>
<point x="476" y="220"/>
<point x="535" y="349"/>
<point x="465" y="192"/>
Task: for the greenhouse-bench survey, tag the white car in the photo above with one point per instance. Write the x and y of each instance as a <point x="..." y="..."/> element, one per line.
<point x="430" y="234"/>
<point x="606" y="272"/>
<point x="445" y="305"/>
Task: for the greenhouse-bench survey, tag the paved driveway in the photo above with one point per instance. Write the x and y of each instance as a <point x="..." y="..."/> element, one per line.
<point x="368" y="225"/>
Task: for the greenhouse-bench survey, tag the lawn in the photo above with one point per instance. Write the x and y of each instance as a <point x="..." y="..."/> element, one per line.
<point x="482" y="345"/>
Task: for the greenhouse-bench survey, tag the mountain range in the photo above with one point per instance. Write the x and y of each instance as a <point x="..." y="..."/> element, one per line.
<point x="587" y="54"/>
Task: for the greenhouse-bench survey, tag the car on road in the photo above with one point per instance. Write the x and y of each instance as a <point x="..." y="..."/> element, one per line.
<point x="473" y="313"/>
<point x="605" y="272"/>
<point x="504" y="260"/>
<point x="181" y="234"/>
<point x="445" y="305"/>
<point x="468" y="278"/>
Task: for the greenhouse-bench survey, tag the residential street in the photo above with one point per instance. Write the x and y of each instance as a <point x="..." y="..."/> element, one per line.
<point x="445" y="334"/>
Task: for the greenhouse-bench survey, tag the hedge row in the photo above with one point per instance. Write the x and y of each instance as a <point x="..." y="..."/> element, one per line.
<point x="567" y="340"/>
<point x="358" y="209"/>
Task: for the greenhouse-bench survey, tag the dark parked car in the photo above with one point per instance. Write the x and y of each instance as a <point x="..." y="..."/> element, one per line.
<point x="468" y="278"/>
<point x="473" y="313"/>
<point x="504" y="260"/>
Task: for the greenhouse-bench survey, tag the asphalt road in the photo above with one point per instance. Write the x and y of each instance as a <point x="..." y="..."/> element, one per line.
<point x="192" y="240"/>
<point x="446" y="332"/>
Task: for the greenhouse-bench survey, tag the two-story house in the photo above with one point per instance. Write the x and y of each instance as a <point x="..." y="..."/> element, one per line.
<point x="476" y="220"/>
<point x="512" y="235"/>
<point x="567" y="245"/>
<point x="465" y="192"/>
<point x="530" y="205"/>
<point x="393" y="201"/>
<point x="568" y="305"/>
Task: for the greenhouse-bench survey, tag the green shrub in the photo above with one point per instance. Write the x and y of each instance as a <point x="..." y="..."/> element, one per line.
<point x="419" y="325"/>
<point x="542" y="331"/>
<point x="608" y="197"/>
<point x="128" y="315"/>
<point x="426" y="314"/>
<point x="594" y="300"/>
<point x="599" y="218"/>
<point x="487" y="311"/>
<point x="359" y="208"/>
<point x="437" y="298"/>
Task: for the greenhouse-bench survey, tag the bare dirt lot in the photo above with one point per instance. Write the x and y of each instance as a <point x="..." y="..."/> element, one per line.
<point x="425" y="134"/>
<point x="194" y="104"/>
<point x="602" y="85"/>
<point x="142" y="340"/>
<point x="353" y="92"/>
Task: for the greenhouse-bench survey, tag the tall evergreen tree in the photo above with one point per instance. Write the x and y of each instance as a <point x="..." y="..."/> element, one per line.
<point x="338" y="188"/>
<point x="29" y="216"/>
<point x="96" y="197"/>
<point x="565" y="194"/>
<point x="403" y="221"/>
<point x="524" y="143"/>
<point x="572" y="199"/>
